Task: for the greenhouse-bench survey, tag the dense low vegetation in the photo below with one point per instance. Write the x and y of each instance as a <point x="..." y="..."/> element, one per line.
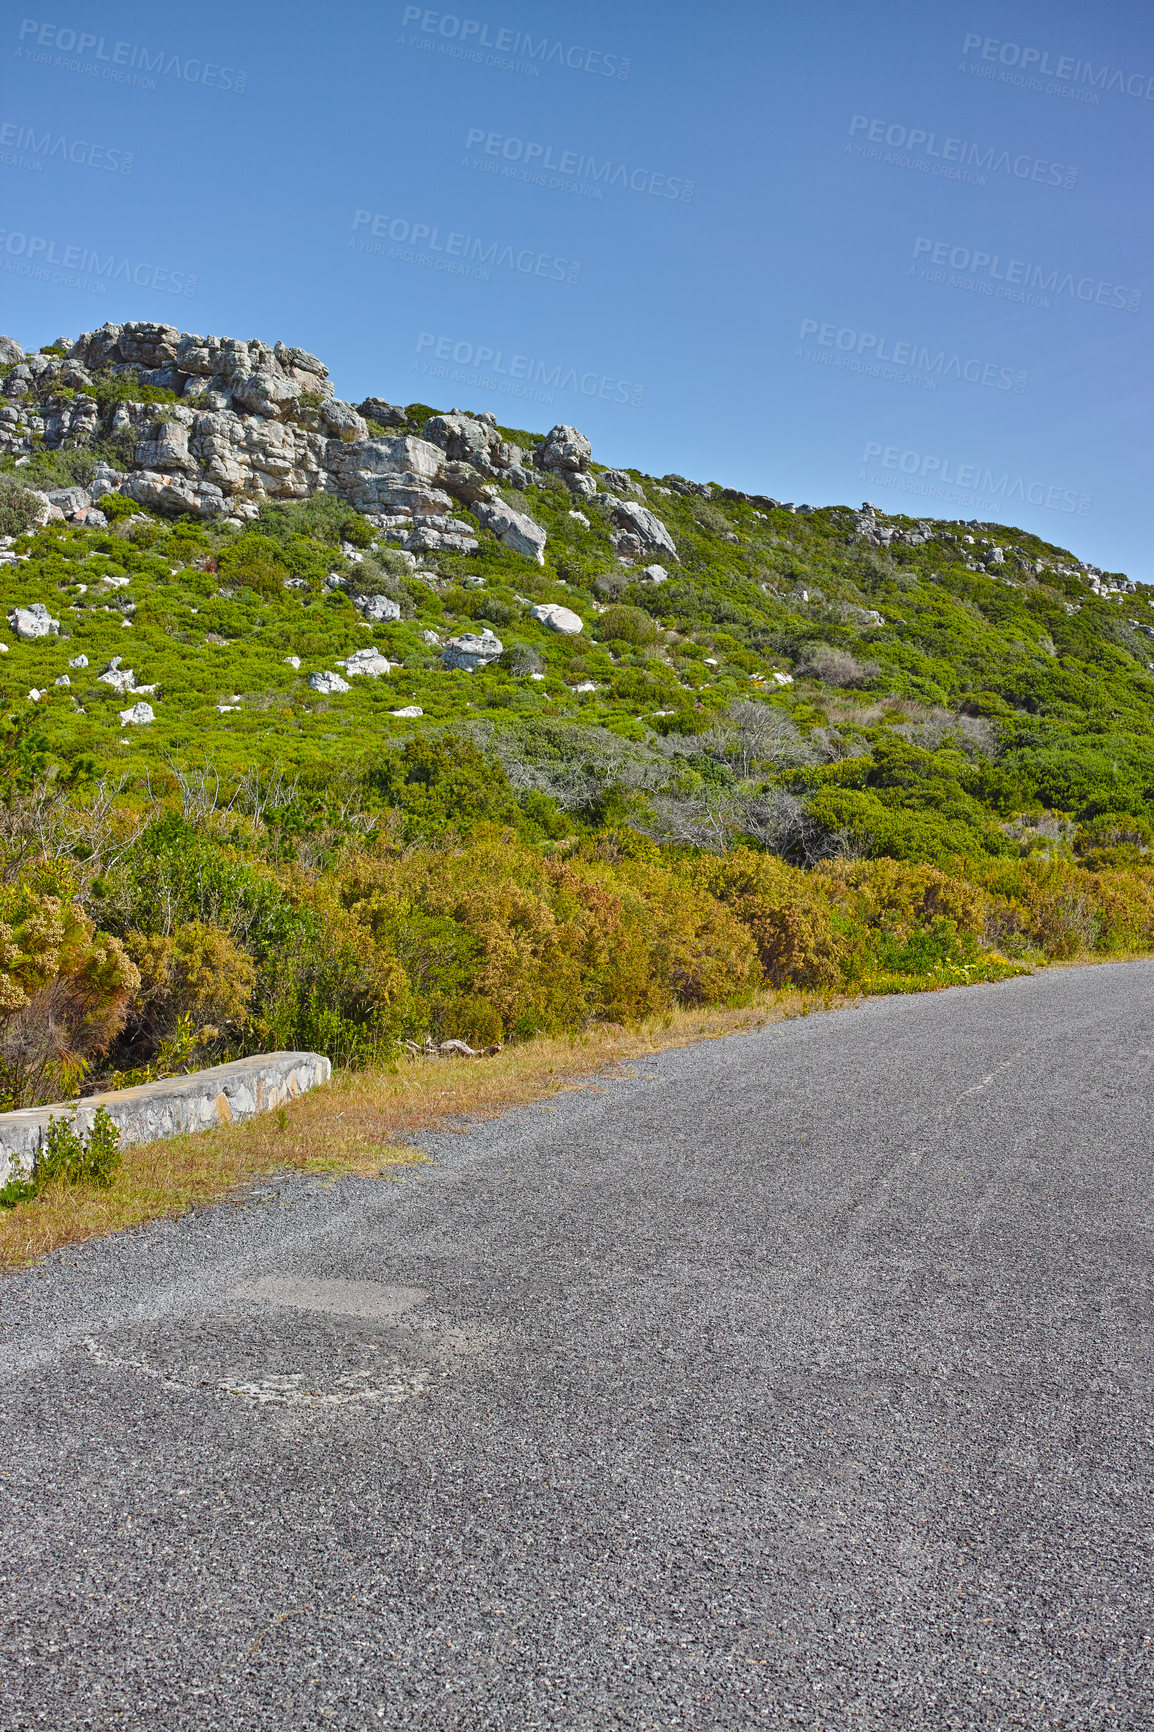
<point x="805" y="758"/>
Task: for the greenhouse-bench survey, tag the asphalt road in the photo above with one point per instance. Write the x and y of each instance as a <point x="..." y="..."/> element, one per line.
<point x="802" y="1380"/>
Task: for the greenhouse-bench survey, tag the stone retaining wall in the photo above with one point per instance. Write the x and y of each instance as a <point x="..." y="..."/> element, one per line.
<point x="224" y="1095"/>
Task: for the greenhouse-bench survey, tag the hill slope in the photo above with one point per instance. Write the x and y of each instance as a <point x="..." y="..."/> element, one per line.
<point x="299" y="623"/>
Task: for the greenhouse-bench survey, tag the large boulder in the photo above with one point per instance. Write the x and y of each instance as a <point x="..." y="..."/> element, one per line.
<point x="558" y="618"/>
<point x="514" y="528"/>
<point x="638" y="522"/>
<point x="70" y="500"/>
<point x="32" y="622"/>
<point x="376" y="609"/>
<point x="617" y="481"/>
<point x="328" y="683"/>
<point x="472" y="651"/>
<point x="137" y="716"/>
<point x="564" y="450"/>
<point x="384" y="414"/>
<point x="368" y="661"/>
<point x="10" y="352"/>
<point x="463" y="438"/>
<point x="343" y="421"/>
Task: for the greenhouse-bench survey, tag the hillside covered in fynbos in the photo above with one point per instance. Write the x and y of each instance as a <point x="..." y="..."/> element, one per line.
<point x="335" y="724"/>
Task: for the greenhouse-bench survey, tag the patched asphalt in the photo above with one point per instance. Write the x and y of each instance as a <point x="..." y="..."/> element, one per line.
<point x="798" y="1379"/>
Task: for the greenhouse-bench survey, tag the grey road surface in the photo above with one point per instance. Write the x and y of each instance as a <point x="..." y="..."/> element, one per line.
<point x="801" y="1379"/>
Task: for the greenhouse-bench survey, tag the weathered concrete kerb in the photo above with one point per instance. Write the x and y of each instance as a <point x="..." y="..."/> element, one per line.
<point x="224" y="1095"/>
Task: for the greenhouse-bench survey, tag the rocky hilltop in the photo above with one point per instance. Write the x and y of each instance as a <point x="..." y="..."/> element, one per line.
<point x="204" y="553"/>
<point x="216" y="427"/>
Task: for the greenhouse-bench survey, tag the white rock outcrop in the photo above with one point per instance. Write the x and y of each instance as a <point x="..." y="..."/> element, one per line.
<point x="377" y="609"/>
<point x="368" y="661"/>
<point x="471" y="650"/>
<point x="33" y="622"/>
<point x="328" y="684"/>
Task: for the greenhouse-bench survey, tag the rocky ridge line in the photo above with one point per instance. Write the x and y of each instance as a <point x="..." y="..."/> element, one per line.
<point x="255" y="422"/>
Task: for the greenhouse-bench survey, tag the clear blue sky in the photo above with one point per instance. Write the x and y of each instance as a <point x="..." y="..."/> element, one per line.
<point x="799" y="277"/>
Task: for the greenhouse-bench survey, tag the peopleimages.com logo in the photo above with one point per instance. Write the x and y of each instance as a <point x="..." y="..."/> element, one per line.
<point x="1031" y="65"/>
<point x="949" y="157"/>
<point x="123" y="63"/>
<point x="458" y="253"/>
<point x="525" y="159"/>
<point x="483" y="364"/>
<point x="509" y="50"/>
<point x="918" y="357"/>
<point x="33" y="148"/>
<point x="1013" y="279"/>
<point x="85" y="268"/>
<point x="942" y="478"/>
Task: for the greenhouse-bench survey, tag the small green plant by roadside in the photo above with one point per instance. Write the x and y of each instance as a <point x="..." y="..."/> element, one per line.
<point x="70" y="1157"/>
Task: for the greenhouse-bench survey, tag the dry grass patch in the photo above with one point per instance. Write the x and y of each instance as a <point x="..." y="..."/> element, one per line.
<point x="363" y="1122"/>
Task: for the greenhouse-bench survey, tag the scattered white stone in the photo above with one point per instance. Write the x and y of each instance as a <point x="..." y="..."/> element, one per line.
<point x="3" y="649"/>
<point x="292" y="661"/>
<point x="655" y="574"/>
<point x="585" y="686"/>
<point x="111" y="582"/>
<point x="558" y="618"/>
<point x="79" y="662"/>
<point x="784" y="679"/>
<point x="122" y="680"/>
<point x="711" y="661"/>
<point x="408" y="713"/>
<point x="536" y="676"/>
<point x="62" y="681"/>
<point x="328" y="683"/>
<point x="430" y="637"/>
<point x="138" y="714"/>
<point x="223" y="709"/>
<point x="581" y="518"/>
<point x="35" y="696"/>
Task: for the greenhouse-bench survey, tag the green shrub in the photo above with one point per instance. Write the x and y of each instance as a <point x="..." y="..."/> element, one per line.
<point x="627" y="625"/>
<point x="67" y="1157"/>
<point x="254" y="560"/>
<point x="19" y="507"/>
